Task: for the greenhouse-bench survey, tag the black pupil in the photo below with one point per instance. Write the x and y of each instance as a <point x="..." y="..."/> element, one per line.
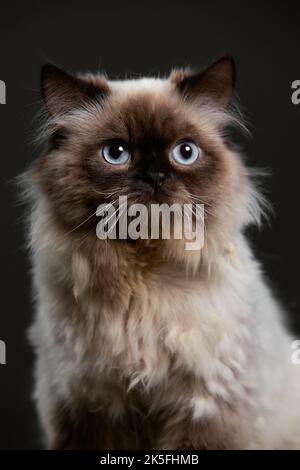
<point x="116" y="151"/>
<point x="186" y="151"/>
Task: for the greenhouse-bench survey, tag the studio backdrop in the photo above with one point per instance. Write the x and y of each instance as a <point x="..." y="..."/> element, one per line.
<point x="128" y="40"/>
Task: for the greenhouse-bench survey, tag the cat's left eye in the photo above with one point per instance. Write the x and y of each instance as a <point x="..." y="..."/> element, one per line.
<point x="185" y="153"/>
<point x="116" y="153"/>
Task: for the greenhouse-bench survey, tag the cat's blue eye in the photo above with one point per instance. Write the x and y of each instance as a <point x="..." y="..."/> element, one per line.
<point x="185" y="153"/>
<point x="116" y="153"/>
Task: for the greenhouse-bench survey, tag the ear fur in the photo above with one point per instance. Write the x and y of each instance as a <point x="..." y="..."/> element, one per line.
<point x="63" y="92"/>
<point x="216" y="83"/>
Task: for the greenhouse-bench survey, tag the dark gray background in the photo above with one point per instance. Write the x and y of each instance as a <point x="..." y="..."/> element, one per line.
<point x="139" y="37"/>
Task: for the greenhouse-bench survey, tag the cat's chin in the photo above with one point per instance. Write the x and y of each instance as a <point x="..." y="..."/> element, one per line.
<point x="160" y="251"/>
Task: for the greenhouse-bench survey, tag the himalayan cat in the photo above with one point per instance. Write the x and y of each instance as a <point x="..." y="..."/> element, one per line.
<point x="143" y="344"/>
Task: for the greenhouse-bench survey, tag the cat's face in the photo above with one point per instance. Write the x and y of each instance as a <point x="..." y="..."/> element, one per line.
<point x="152" y="140"/>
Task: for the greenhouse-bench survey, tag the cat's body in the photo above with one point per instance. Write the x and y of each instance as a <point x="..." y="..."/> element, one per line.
<point x="143" y="345"/>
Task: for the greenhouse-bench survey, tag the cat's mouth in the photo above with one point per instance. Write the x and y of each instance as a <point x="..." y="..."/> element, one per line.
<point x="153" y="195"/>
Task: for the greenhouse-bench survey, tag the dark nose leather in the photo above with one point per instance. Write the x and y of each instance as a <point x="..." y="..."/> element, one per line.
<point x="156" y="178"/>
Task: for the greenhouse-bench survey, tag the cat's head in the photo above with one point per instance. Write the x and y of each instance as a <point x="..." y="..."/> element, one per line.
<point x="152" y="140"/>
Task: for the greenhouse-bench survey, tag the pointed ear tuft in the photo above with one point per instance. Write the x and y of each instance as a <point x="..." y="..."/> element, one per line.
<point x="215" y="84"/>
<point x="63" y="92"/>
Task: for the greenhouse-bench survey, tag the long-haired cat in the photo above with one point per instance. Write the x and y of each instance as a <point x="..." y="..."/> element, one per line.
<point x="144" y="344"/>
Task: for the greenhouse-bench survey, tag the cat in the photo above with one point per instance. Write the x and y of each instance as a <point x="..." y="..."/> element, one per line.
<point x="143" y="344"/>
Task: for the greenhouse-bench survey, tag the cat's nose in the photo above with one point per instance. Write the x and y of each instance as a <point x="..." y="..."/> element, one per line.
<point x="157" y="178"/>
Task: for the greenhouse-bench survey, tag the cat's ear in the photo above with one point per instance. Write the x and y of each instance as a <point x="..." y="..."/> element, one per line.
<point x="216" y="83"/>
<point x="63" y="92"/>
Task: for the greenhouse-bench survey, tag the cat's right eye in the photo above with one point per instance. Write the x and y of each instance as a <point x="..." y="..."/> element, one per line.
<point x="116" y="153"/>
